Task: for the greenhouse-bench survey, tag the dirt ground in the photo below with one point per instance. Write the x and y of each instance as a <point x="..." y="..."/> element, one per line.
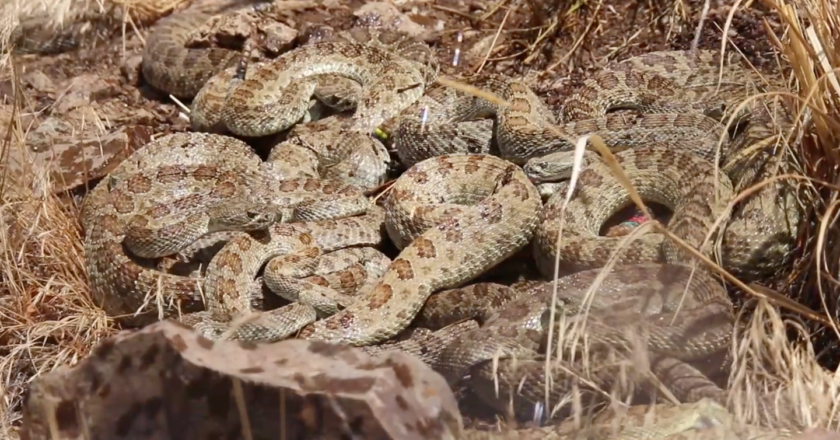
<point x="86" y="110"/>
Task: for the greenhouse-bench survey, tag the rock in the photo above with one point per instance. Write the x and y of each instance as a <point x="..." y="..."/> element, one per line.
<point x="84" y="89"/>
<point x="72" y="159"/>
<point x="259" y="28"/>
<point x="223" y="31"/>
<point x="386" y="15"/>
<point x="39" y="81"/>
<point x="276" y="37"/>
<point x="130" y="69"/>
<point x="166" y="382"/>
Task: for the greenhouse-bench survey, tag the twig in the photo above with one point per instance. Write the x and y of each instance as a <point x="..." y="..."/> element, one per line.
<point x="699" y="30"/>
<point x="466" y="88"/>
<point x="579" y="40"/>
<point x="543" y="35"/>
<point x="453" y="11"/>
<point x="495" y="39"/>
<point x="492" y="10"/>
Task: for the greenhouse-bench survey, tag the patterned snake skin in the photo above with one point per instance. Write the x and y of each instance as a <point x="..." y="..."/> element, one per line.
<point x="681" y="100"/>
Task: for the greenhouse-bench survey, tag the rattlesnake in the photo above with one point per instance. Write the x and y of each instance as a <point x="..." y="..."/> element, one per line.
<point x="749" y="248"/>
<point x="104" y="243"/>
<point x="390" y="70"/>
<point x="758" y="240"/>
<point x="123" y="285"/>
<point x="683" y="318"/>
<point x="299" y="246"/>
<point x="332" y="70"/>
<point x="499" y="224"/>
<point x="442" y="172"/>
<point x="662" y="83"/>
<point x="379" y="71"/>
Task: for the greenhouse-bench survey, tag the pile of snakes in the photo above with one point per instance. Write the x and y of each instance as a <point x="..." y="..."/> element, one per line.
<point x="485" y="186"/>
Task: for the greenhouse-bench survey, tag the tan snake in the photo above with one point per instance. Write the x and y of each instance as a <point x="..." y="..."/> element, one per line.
<point x="499" y="224"/>
<point x="526" y="104"/>
<point x="756" y="242"/>
<point x="684" y="319"/>
<point x="198" y="183"/>
<point x="345" y="72"/>
<point x="680" y="99"/>
<point x="471" y="240"/>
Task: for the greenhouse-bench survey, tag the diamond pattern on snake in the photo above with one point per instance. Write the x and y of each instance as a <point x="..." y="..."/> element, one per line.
<point x="454" y="215"/>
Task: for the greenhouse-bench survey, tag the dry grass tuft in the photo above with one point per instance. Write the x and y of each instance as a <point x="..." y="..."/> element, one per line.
<point x="46" y="316"/>
<point x="815" y="58"/>
<point x="58" y="16"/>
<point x="811" y="52"/>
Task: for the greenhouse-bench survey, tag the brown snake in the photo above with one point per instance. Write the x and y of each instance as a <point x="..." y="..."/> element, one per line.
<point x="756" y="243"/>
<point x="683" y="318"/>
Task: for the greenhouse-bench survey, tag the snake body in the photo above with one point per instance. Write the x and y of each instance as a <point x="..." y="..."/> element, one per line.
<point x="166" y="55"/>
<point x="683" y="182"/>
<point x="676" y="311"/>
<point x="683" y="105"/>
<point x="757" y="240"/>
<point x="188" y="176"/>
<point x="499" y="223"/>
<point x="704" y="317"/>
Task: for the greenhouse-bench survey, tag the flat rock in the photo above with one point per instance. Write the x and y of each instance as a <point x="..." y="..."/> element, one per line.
<point x="166" y="382"/>
<point x="383" y="14"/>
<point x="260" y="27"/>
<point x="70" y="158"/>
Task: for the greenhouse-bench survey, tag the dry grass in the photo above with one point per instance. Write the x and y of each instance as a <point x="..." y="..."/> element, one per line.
<point x="47" y="318"/>
<point x="810" y="47"/>
<point x="46" y="315"/>
<point x="57" y="14"/>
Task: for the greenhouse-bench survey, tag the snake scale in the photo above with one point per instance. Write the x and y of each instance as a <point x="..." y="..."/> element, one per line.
<point x="453" y="215"/>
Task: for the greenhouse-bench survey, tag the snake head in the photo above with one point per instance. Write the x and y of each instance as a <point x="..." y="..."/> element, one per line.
<point x="244" y="217"/>
<point x="557" y="166"/>
<point x="552" y="167"/>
